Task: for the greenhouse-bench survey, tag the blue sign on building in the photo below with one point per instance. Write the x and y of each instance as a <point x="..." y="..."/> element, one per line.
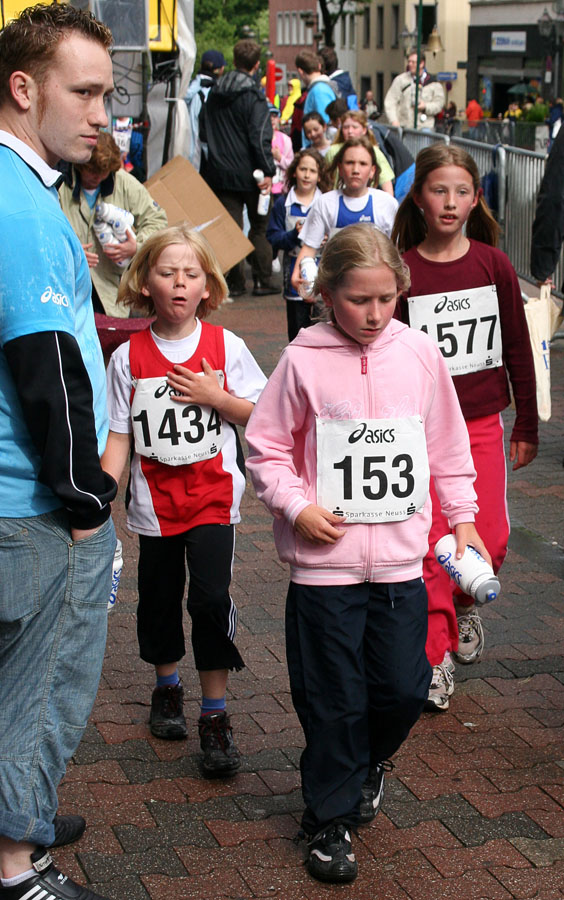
<point x="447" y="76"/>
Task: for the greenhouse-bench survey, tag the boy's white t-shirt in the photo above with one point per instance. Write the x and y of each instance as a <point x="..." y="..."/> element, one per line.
<point x="322" y="217"/>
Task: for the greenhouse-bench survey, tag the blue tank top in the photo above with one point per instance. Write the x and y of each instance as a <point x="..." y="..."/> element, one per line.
<point x="347" y="216"/>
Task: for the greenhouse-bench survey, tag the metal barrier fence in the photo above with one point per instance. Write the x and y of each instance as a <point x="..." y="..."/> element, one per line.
<point x="517" y="175"/>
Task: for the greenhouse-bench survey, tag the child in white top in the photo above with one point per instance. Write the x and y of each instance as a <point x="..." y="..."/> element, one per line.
<point x="353" y="202"/>
<point x="175" y="392"/>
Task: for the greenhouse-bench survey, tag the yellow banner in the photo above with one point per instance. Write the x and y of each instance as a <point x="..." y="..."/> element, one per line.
<point x="162" y="24"/>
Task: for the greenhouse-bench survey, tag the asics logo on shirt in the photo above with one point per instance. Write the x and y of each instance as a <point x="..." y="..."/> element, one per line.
<point x="452" y="305"/>
<point x="372" y="436"/>
<point x="57" y="299"/>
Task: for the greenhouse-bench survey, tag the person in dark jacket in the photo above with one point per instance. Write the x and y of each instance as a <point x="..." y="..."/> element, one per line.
<point x="236" y="126"/>
<point x="339" y="77"/>
<point x="548" y="226"/>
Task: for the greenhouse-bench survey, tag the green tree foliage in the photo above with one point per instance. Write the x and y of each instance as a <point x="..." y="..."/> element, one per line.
<point x="218" y="24"/>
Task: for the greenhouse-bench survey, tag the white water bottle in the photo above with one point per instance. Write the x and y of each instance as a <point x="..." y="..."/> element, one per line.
<point x="263" y="204"/>
<point x="116" y="574"/>
<point x="308" y="272"/>
<point x="117" y="218"/>
<point x="103" y="231"/>
<point x="471" y="573"/>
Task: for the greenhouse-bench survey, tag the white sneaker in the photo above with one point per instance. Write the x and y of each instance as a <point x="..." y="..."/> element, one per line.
<point x="442" y="685"/>
<point x="470" y="638"/>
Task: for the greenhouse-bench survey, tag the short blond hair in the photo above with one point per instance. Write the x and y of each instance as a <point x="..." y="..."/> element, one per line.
<point x="358" y="247"/>
<point x="137" y="275"/>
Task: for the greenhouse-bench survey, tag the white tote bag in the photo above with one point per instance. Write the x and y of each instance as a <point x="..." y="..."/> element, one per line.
<point x="544" y="316"/>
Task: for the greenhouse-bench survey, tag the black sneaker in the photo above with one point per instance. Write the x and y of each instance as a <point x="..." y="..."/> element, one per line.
<point x="373" y="792"/>
<point x="330" y="856"/>
<point x="221" y="756"/>
<point x="265" y="288"/>
<point x="167" y="719"/>
<point x="48" y="884"/>
<point x="67" y="830"/>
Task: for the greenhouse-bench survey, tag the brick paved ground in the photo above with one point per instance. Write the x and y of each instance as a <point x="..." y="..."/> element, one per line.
<point x="474" y="808"/>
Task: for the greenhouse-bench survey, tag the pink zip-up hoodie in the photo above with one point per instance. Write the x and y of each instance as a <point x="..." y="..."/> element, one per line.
<point x="324" y="373"/>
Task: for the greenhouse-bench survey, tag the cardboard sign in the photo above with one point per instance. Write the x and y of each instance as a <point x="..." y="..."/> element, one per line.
<point x="185" y="197"/>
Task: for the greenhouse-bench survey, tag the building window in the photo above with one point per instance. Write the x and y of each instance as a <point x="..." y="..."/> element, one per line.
<point x="379" y="26"/>
<point x="366" y="28"/>
<point x="279" y="29"/>
<point x="294" y="28"/>
<point x="429" y="18"/>
<point x="365" y="85"/>
<point x="352" y="31"/>
<point x="395" y="25"/>
<point x="380" y="90"/>
<point x="343" y="32"/>
<point x="287" y="28"/>
<point x="302" y="32"/>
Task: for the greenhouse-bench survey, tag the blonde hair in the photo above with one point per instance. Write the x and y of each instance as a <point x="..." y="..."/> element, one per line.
<point x="358" y="247"/>
<point x="357" y="115"/>
<point x="410" y="227"/>
<point x="147" y="256"/>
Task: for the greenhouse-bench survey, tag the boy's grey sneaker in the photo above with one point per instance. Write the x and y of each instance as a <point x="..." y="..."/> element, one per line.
<point x="470" y="638"/>
<point x="330" y="857"/>
<point x="221" y="756"/>
<point x="47" y="884"/>
<point x="442" y="686"/>
<point x="167" y="720"/>
<point x="373" y="792"/>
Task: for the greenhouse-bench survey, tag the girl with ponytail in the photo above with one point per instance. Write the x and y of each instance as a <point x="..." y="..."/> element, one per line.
<point x="465" y="294"/>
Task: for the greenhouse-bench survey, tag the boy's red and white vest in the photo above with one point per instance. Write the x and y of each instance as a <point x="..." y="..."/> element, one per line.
<point x="187" y="465"/>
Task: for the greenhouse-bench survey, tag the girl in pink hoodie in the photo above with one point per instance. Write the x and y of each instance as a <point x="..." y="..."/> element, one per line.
<point x="359" y="412"/>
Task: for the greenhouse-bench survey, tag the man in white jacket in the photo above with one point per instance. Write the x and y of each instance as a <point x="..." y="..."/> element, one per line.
<point x="399" y="103"/>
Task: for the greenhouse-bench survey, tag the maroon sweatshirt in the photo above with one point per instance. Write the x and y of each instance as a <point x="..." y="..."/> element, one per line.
<point x="486" y="392"/>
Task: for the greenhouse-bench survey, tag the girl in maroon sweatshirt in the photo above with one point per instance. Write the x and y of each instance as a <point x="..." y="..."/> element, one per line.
<point x="465" y="294"/>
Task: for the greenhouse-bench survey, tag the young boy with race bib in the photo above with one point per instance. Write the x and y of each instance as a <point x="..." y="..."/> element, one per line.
<point x="357" y="414"/>
<point x="175" y="393"/>
<point x="465" y="294"/>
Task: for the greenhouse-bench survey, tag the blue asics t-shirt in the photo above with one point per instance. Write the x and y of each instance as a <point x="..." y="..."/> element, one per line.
<point x="44" y="286"/>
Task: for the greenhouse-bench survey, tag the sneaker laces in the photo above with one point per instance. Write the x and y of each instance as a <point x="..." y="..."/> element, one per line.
<point x="218" y="728"/>
<point x="468" y="626"/>
<point x="442" y="677"/>
<point x="172" y="702"/>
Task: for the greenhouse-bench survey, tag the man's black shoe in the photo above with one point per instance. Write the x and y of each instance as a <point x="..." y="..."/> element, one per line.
<point x="67" y="830"/>
<point x="265" y="288"/>
<point x="221" y="756"/>
<point x="167" y="719"/>
<point x="330" y="856"/>
<point x="47" y="884"/>
<point x="237" y="292"/>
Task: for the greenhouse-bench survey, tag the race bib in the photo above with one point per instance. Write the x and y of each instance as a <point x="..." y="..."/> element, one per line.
<point x="372" y="470"/>
<point x="176" y="434"/>
<point x="464" y="324"/>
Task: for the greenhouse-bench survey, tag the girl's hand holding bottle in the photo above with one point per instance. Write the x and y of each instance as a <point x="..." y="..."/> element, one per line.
<point x="466" y="534"/>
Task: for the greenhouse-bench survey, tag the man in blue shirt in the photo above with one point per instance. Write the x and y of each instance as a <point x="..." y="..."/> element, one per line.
<point x="56" y="536"/>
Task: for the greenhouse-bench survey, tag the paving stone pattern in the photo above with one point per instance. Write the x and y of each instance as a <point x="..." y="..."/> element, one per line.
<point x="474" y="807"/>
